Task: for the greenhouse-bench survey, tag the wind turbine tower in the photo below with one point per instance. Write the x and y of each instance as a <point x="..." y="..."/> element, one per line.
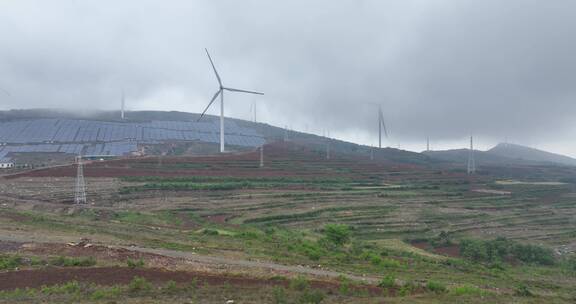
<point x="471" y="161"/>
<point x="122" y="105"/>
<point x="220" y="92"/>
<point x="381" y="125"/>
<point x="253" y="110"/>
<point x="80" y="193"/>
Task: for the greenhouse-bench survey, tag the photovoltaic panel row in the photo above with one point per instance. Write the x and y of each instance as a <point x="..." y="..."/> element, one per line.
<point x="69" y="131"/>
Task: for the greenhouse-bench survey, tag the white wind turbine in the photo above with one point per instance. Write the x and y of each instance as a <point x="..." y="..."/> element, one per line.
<point x="381" y="124"/>
<point x="221" y="93"/>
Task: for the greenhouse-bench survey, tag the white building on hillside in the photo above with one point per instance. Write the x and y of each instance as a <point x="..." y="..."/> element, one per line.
<point x="6" y="163"/>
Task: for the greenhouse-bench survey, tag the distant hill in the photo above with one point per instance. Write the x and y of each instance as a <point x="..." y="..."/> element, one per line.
<point x="503" y="154"/>
<point x="461" y="156"/>
<point x="518" y="152"/>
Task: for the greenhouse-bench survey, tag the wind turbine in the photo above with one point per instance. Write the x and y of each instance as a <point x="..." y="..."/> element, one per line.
<point x="122" y="104"/>
<point x="381" y="125"/>
<point x="5" y="92"/>
<point x="253" y="110"/>
<point x="221" y="93"/>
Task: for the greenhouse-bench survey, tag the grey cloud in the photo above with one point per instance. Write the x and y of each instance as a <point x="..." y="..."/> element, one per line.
<point x="440" y="68"/>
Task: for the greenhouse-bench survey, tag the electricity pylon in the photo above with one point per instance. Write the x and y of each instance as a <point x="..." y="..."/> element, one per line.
<point x="80" y="193"/>
<point x="471" y="161"/>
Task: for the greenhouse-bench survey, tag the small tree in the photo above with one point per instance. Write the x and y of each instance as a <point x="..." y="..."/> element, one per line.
<point x="338" y="234"/>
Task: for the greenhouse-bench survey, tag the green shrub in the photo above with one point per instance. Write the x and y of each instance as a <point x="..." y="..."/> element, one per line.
<point x="279" y="295"/>
<point x="135" y="263"/>
<point x="139" y="285"/>
<point x="346" y="285"/>
<point x="312" y="250"/>
<point x="408" y="288"/>
<point x="106" y="293"/>
<point x="9" y="262"/>
<point x="533" y="254"/>
<point x="468" y="290"/>
<point x="311" y="297"/>
<point x="388" y="281"/>
<point x="523" y="291"/>
<point x="170" y="288"/>
<point x="73" y="262"/>
<point x="210" y="232"/>
<point x="299" y="283"/>
<point x="436" y="287"/>
<point x="337" y="234"/>
<point x="570" y="264"/>
<point x="390" y="263"/>
<point x="500" y="249"/>
<point x="66" y="288"/>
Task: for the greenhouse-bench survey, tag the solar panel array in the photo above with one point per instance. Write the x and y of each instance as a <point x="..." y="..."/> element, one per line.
<point x="112" y="138"/>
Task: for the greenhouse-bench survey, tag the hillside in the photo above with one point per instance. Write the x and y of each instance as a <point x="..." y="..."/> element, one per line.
<point x="518" y="152"/>
<point x="503" y="154"/>
<point x="48" y="133"/>
<point x="461" y="156"/>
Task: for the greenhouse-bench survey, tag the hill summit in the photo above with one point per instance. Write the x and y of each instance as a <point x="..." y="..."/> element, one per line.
<point x="519" y="152"/>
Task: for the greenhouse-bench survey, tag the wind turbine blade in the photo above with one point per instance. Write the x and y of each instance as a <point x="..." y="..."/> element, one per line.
<point x="382" y="122"/>
<point x="213" y="67"/>
<point x="211" y="102"/>
<point x="243" y="91"/>
<point x="5" y="92"/>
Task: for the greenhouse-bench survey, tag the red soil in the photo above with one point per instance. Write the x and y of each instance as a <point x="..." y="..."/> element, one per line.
<point x="107" y="276"/>
<point x="451" y="251"/>
<point x="284" y="160"/>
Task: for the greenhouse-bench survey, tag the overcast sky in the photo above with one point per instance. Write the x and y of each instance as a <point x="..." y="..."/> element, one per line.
<point x="498" y="69"/>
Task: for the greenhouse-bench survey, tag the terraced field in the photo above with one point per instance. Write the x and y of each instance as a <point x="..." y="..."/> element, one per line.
<point x="228" y="207"/>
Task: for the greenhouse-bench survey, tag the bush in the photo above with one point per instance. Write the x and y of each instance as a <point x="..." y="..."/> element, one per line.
<point x="468" y="290"/>
<point x="299" y="283"/>
<point x="67" y="288"/>
<point x="170" y="288"/>
<point x="533" y="254"/>
<point x="279" y="295"/>
<point x="407" y="288"/>
<point x="9" y="262"/>
<point x="390" y="263"/>
<point x="523" y="291"/>
<point x="109" y="293"/>
<point x="346" y="285"/>
<point x="312" y="250"/>
<point x="387" y="282"/>
<point x="570" y="264"/>
<point x="500" y="249"/>
<point x="135" y="263"/>
<point x="73" y="262"/>
<point x="436" y="287"/>
<point x="139" y="285"/>
<point x="337" y="234"/>
<point x="311" y="297"/>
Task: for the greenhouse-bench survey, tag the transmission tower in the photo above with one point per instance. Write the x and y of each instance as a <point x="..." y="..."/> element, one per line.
<point x="80" y="194"/>
<point x="471" y="161"/>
